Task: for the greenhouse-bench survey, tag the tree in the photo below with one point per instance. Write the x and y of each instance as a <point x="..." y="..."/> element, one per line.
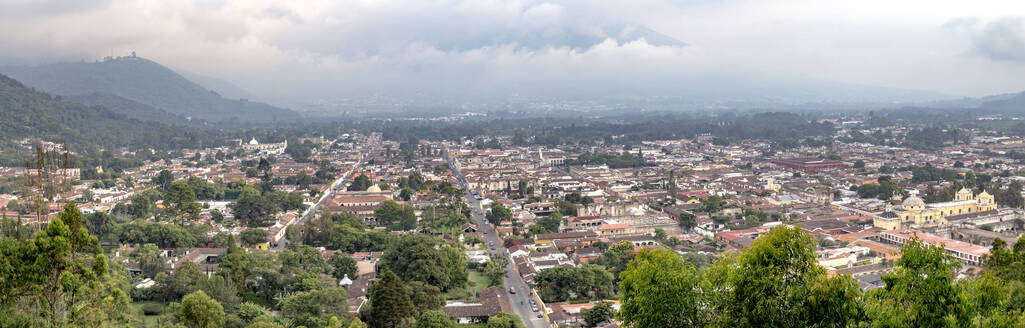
<point x="687" y="221"/>
<point x="563" y="283"/>
<point x="495" y="269"/>
<point x="505" y="320"/>
<point x="498" y="213"/>
<point x="406" y="194"/>
<point x="390" y="305"/>
<point x="395" y="216"/>
<point x="185" y="280"/>
<point x="164" y="179"/>
<point x="100" y="224"/>
<point x="601" y="312"/>
<point x="660" y="234"/>
<point x="88" y="196"/>
<point x="616" y="257"/>
<point x="858" y="164"/>
<point x="551" y="223"/>
<point x="60" y="278"/>
<point x="776" y="282"/>
<point x="253" y="210"/>
<point x="216" y="216"/>
<point x="200" y="311"/>
<point x="264" y="167"/>
<point x="920" y="292"/>
<point x="309" y="308"/>
<point x="419" y="257"/>
<point x="149" y="260"/>
<point x="712" y="204"/>
<point x="425" y="297"/>
<point x="660" y="290"/>
<point x="343" y="265"/>
<point x="360" y="183"/>
<point x="434" y="319"/>
<point x="181" y="201"/>
<point x="253" y="237"/>
<point x="303" y="258"/>
<point x="566" y="208"/>
<point x="141" y="207"/>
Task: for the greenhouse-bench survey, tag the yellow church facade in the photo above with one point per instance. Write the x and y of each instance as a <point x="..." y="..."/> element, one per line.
<point x="914" y="212"/>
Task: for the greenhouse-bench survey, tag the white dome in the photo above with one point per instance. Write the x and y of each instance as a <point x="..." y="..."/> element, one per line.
<point x="374" y="188"/>
<point x="254" y="142"/>
<point x="913" y="201"/>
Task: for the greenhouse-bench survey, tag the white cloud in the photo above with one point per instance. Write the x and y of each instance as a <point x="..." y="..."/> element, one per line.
<point x="322" y="48"/>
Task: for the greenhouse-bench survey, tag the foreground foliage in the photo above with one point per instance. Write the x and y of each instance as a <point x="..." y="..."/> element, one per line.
<point x="777" y="283"/>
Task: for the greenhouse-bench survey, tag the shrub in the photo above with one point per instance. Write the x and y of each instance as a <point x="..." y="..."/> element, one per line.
<point x="152" y="309"/>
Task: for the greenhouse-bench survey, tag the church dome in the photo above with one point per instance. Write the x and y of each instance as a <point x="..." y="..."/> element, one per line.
<point x="254" y="142"/>
<point x="374" y="188"/>
<point x="913" y="201"/>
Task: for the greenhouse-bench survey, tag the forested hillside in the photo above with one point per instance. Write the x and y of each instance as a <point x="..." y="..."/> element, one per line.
<point x="129" y="108"/>
<point x="149" y="83"/>
<point x="32" y="114"/>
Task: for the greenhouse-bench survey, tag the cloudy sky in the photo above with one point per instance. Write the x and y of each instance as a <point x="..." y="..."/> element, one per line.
<point x="326" y="48"/>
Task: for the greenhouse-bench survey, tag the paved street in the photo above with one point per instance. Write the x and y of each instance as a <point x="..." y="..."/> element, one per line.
<point x="339" y="186"/>
<point x="520" y="300"/>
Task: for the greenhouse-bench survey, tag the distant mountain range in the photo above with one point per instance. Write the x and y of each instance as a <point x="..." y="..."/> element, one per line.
<point x="1011" y="104"/>
<point x="138" y="81"/>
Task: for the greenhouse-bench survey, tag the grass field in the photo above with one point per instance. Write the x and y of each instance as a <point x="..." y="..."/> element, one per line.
<point x="476" y="283"/>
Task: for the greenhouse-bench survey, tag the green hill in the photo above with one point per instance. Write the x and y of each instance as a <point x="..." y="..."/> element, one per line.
<point x="29" y="113"/>
<point x="146" y="82"/>
<point x="129" y="108"/>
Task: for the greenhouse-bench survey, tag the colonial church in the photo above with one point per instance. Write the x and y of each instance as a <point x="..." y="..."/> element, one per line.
<point x="914" y="212"/>
<point x="269" y="148"/>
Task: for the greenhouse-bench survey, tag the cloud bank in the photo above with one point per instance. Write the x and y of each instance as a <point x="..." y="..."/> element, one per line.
<point x="458" y="50"/>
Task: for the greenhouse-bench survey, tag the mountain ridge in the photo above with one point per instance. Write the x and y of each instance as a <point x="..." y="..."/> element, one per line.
<point x="30" y="113"/>
<point x="147" y="82"/>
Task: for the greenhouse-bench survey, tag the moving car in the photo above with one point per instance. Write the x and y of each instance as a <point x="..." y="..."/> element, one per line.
<point x="512" y="291"/>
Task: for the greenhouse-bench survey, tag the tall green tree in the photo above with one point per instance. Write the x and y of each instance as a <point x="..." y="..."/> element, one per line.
<point x="601" y="312"/>
<point x="360" y="183"/>
<point x="434" y="319"/>
<point x="200" y="311"/>
<point x="253" y="237"/>
<point x="660" y="290"/>
<point x="504" y="320"/>
<point x="253" y="210"/>
<point x="342" y="264"/>
<point x="564" y="283"/>
<point x="551" y="223"/>
<point x="776" y="282"/>
<point x="59" y="279"/>
<point x="920" y="291"/>
<point x="395" y="216"/>
<point x="390" y="304"/>
<point x="498" y="213"/>
<point x="150" y="261"/>
<point x="164" y="179"/>
<point x="425" y="297"/>
<point x="181" y="201"/>
<point x="419" y="257"/>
